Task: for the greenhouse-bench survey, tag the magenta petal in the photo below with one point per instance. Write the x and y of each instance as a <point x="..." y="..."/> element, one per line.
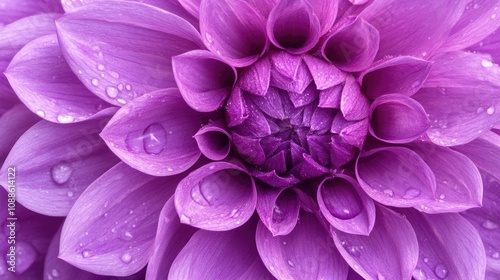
<point x="293" y="25"/>
<point x="154" y="134"/>
<point x="192" y="6"/>
<point x="220" y="255"/>
<point x="58" y="171"/>
<point x="256" y="79"/>
<point x="214" y="141"/>
<point x="458" y="181"/>
<point x="13" y="10"/>
<point x="325" y="75"/>
<point x="402" y="74"/>
<point x="292" y="257"/>
<point x="391" y="249"/>
<point x="477" y="22"/>
<point x="396" y="118"/>
<point x="109" y="238"/>
<point x="352" y="46"/>
<point x="353" y="103"/>
<point x="213" y="83"/>
<point x="234" y="30"/>
<point x="395" y="176"/>
<point x="412" y="28"/>
<point x="218" y="196"/>
<point x="449" y="246"/>
<point x="345" y="205"/>
<point x="38" y="85"/>
<point x="278" y="209"/>
<point x="171" y="237"/>
<point x="326" y="11"/>
<point x="489" y="46"/>
<point x="121" y="68"/>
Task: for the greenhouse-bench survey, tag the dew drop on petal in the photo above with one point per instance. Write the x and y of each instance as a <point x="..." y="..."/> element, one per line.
<point x="486" y="63"/>
<point x="112" y="92"/>
<point x="496" y="255"/>
<point x="154" y="139"/>
<point x="411" y="193"/>
<point x="185" y="219"/>
<point x="126" y="258"/>
<point x="40" y="113"/>
<point x="419" y="274"/>
<point x="121" y="101"/>
<point x="70" y="194"/>
<point x="114" y="74"/>
<point x="55" y="273"/>
<point x="278" y="215"/>
<point x="290" y="263"/>
<point x="426" y="260"/>
<point x="353" y="251"/>
<point x="441" y="271"/>
<point x="490" y="225"/>
<point x="86" y="254"/>
<point x="490" y="110"/>
<point x="128" y="87"/>
<point x="389" y="192"/>
<point x="61" y="172"/>
<point x="95" y="82"/>
<point x="127" y="235"/>
<point x="65" y="119"/>
<point x="120" y="87"/>
<point x="100" y="67"/>
<point x="234" y="213"/>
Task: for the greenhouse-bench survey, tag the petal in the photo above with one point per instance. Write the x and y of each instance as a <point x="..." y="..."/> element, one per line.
<point x="353" y="103"/>
<point x="59" y="170"/>
<point x="278" y="209"/>
<point x="326" y="11"/>
<point x="192" y="6"/>
<point x="458" y="182"/>
<point x="352" y="46"/>
<point x="345" y="205"/>
<point x="396" y="118"/>
<point x="213" y="83"/>
<point x="255" y="79"/>
<point x="412" y="28"/>
<point x="120" y="68"/>
<point x="477" y="22"/>
<point x="220" y="255"/>
<point x="490" y="46"/>
<point x="386" y="252"/>
<point x="289" y="257"/>
<point x="154" y="134"/>
<point x="293" y="26"/>
<point x="38" y="86"/>
<point x="325" y="75"/>
<point x="171" y="237"/>
<point x="234" y="30"/>
<point x="213" y="140"/>
<point x="449" y="246"/>
<point x="12" y="11"/>
<point x="395" y="176"/>
<point x="109" y="238"/>
<point x="218" y="196"/>
<point x="402" y="74"/>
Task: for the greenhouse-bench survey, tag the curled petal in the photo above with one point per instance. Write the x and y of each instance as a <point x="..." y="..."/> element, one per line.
<point x="293" y="26"/>
<point x="395" y="176"/>
<point x="289" y="257"/>
<point x="386" y="252"/>
<point x="402" y="74"/>
<point x="38" y="86"/>
<point x="218" y="196"/>
<point x="352" y="46"/>
<point x="345" y="205"/>
<point x="213" y="83"/>
<point x="58" y="171"/>
<point x="278" y="209"/>
<point x="154" y="134"/>
<point x="396" y="118"/>
<point x="214" y="141"/>
<point x="121" y="68"/>
<point x="234" y="30"/>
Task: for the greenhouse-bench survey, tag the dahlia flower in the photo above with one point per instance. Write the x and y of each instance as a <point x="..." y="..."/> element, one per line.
<point x="275" y="139"/>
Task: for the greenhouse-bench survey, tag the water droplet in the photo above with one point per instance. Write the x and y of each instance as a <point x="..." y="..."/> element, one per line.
<point x="128" y="87"/>
<point x="40" y="113"/>
<point x="95" y="82"/>
<point x="70" y="194"/>
<point x="106" y="214"/>
<point x="170" y="169"/>
<point x="106" y="203"/>
<point x="441" y="271"/>
<point x="271" y="268"/>
<point x="131" y="212"/>
<point x="120" y="87"/>
<point x="353" y="251"/>
<point x="112" y="92"/>
<point x="290" y="263"/>
<point x="209" y="38"/>
<point x="80" y="72"/>
<point x="121" y="101"/>
<point x="234" y="213"/>
<point x="415" y="84"/>
<point x="490" y="110"/>
<point x="65" y="119"/>
<point x="284" y="243"/>
<point x="493" y="16"/>
<point x="100" y="55"/>
<point x="389" y="192"/>
<point x="86" y="254"/>
<point x="442" y="196"/>
<point x="486" y="63"/>
<point x="61" y="172"/>
<point x="411" y="193"/>
<point x="127" y="235"/>
<point x="278" y="215"/>
<point x="113" y="230"/>
<point x="114" y="74"/>
<point x="126" y="258"/>
<point x="100" y="67"/>
<point x="488" y="224"/>
<point x="476" y="6"/>
<point x="185" y="219"/>
<point x="55" y="273"/>
<point x="426" y="260"/>
<point x="419" y="274"/>
<point x="479" y="110"/>
<point x="155" y="139"/>
<point x="380" y="276"/>
<point x="496" y="255"/>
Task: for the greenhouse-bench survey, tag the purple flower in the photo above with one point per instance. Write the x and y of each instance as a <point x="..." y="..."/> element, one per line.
<point x="290" y="139"/>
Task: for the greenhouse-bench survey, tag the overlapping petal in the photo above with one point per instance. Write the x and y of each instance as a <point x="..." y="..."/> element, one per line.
<point x="278" y="209"/>
<point x="11" y="11"/>
<point x="213" y="140"/>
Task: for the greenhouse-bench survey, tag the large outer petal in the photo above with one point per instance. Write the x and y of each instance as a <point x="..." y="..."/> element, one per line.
<point x="120" y="68"/>
<point x="13" y="10"/>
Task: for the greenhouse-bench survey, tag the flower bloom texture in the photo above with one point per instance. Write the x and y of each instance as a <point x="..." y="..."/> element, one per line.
<point x="251" y="139"/>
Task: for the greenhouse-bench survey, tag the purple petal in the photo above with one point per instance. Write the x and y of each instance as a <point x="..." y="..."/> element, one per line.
<point x="489" y="46"/>
<point x="396" y="118"/>
<point x="293" y="26"/>
<point x="353" y="103"/>
<point x="213" y="83"/>
<point x="289" y="72"/>
<point x="278" y="209"/>
<point x="289" y="257"/>
<point x="330" y="98"/>
<point x="449" y="246"/>
<point x="325" y="75"/>
<point x="352" y="46"/>
<point x="345" y="205"/>
<point x="256" y="79"/>
<point x="109" y="238"/>
<point x="119" y="69"/>
<point x="395" y="176"/>
<point x="38" y="86"/>
<point x="412" y="28"/>
<point x="154" y="134"/>
<point x="234" y="30"/>
<point x="220" y="255"/>
<point x="214" y="141"/>
<point x="326" y="11"/>
<point x="386" y="252"/>
<point x="58" y="171"/>
<point x="402" y="74"/>
<point x="15" y="10"/>
<point x="236" y="108"/>
<point x="171" y="237"/>
<point x="477" y="22"/>
<point x="218" y="196"/>
<point x="192" y="6"/>
<point x="458" y="182"/>
<point x="484" y="152"/>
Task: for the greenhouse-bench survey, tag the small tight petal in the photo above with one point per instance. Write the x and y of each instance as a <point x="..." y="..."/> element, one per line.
<point x="278" y="209"/>
<point x="213" y="140"/>
<point x="326" y="11"/>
